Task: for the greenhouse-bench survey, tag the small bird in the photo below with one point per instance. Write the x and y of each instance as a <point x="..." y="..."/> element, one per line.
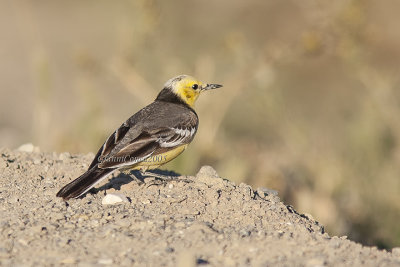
<point x="153" y="136"/>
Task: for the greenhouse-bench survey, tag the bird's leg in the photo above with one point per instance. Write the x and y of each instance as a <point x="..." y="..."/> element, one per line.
<point x="140" y="179"/>
<point x="163" y="178"/>
<point x="158" y="176"/>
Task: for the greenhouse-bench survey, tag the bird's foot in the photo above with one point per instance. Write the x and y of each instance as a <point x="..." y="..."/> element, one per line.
<point x="160" y="179"/>
<point x="158" y="176"/>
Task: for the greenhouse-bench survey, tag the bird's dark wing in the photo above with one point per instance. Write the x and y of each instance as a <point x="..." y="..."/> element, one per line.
<point x="154" y="129"/>
<point x="147" y="144"/>
<point x="110" y="143"/>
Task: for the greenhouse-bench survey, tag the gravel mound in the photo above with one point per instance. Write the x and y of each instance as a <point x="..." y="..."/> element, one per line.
<point x="188" y="221"/>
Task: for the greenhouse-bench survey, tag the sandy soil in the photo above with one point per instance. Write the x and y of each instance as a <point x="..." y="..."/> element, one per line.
<point x="202" y="220"/>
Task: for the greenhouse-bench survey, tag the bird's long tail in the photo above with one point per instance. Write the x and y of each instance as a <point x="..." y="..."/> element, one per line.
<point x="83" y="183"/>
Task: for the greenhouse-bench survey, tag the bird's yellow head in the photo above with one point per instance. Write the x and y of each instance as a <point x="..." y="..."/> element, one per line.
<point x="186" y="88"/>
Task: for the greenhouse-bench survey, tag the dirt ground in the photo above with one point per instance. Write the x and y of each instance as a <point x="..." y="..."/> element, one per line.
<point x="203" y="220"/>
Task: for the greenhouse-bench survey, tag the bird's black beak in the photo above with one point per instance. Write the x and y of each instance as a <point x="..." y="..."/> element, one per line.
<point x="210" y="86"/>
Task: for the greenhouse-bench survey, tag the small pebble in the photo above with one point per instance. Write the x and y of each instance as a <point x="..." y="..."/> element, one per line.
<point x="68" y="261"/>
<point x="207" y="171"/>
<point x="209" y="176"/>
<point x="64" y="156"/>
<point x="262" y="191"/>
<point x="105" y="261"/>
<point x="123" y="223"/>
<point x="315" y="262"/>
<point x="145" y="201"/>
<point x="23" y="242"/>
<point x="396" y="252"/>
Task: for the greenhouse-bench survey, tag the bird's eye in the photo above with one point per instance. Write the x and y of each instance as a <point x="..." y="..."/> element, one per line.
<point x="195" y="86"/>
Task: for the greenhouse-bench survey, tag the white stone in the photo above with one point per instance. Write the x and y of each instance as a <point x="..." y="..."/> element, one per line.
<point x="114" y="198"/>
<point x="29" y="147"/>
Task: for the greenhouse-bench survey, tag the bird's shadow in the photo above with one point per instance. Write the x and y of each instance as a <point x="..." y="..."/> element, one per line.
<point x="124" y="178"/>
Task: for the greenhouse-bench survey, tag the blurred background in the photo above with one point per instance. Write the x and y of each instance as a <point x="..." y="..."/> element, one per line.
<point x="310" y="105"/>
